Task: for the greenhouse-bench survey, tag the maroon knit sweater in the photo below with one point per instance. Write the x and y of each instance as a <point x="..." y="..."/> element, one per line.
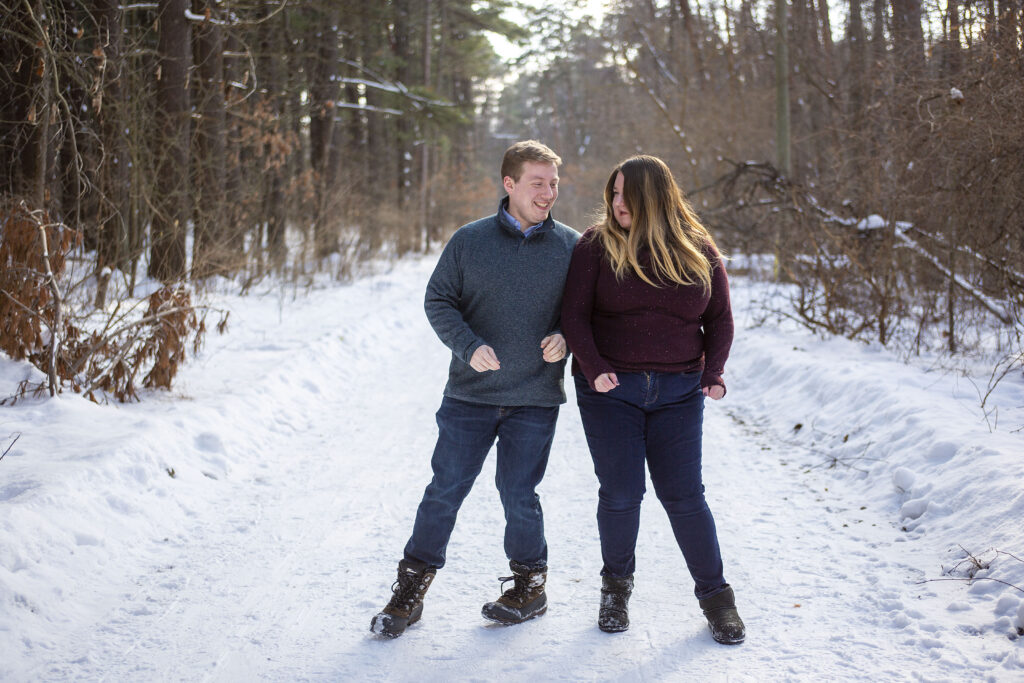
<point x="631" y="326"/>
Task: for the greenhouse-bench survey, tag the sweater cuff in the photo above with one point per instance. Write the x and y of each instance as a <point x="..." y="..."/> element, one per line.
<point x="592" y="373"/>
<point x="467" y="354"/>
<point x="709" y="379"/>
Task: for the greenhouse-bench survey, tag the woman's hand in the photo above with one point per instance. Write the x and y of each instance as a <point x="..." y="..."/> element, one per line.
<point x="553" y="348"/>
<point x="715" y="391"/>
<point x="606" y="382"/>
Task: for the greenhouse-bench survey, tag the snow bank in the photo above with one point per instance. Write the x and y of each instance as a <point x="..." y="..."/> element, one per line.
<point x="913" y="443"/>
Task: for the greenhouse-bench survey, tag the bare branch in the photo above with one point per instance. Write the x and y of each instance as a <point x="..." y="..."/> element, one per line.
<point x="10" y="446"/>
<point x="654" y="53"/>
<point x="664" y="110"/>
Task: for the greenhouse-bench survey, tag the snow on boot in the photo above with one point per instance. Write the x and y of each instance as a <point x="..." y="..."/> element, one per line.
<point x="525" y="600"/>
<point x="406" y="604"/>
<point x="723" y="619"/>
<point x="614" y="614"/>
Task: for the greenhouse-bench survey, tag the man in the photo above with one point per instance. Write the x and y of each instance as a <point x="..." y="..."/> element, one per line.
<point x="494" y="300"/>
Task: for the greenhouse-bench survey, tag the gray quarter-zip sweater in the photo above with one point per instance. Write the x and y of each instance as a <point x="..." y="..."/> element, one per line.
<point x="493" y="286"/>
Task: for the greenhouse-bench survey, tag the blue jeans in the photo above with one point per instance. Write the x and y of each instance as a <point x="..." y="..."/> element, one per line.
<point x="466" y="432"/>
<point x="654" y="417"/>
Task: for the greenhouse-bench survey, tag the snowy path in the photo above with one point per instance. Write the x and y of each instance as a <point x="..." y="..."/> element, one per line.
<point x="305" y="459"/>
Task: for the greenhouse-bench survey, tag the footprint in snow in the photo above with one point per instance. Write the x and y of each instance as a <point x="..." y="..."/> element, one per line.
<point x="208" y="442"/>
<point x="943" y="451"/>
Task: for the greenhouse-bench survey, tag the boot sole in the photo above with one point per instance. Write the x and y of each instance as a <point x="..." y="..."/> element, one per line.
<point x="513" y="622"/>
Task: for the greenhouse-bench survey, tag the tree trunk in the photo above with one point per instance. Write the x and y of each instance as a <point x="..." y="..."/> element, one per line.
<point x="1007" y="26"/>
<point x="170" y="144"/>
<point x="826" y="35"/>
<point x="856" y="110"/>
<point x="13" y="100"/>
<point x="323" y="93"/>
<point x="878" y="46"/>
<point x="952" y="55"/>
<point x="951" y="293"/>
<point x="30" y="104"/>
<point x="691" y="34"/>
<point x="856" y="38"/>
<point x="210" y="253"/>
<point x="239" y="156"/>
<point x="750" y="48"/>
<point x="428" y="39"/>
<point x="114" y="181"/>
<point x="404" y="133"/>
<point x="274" y="214"/>
<point x="782" y="145"/>
<point x="811" y="88"/>
<point x="380" y="171"/>
<point x="908" y="38"/>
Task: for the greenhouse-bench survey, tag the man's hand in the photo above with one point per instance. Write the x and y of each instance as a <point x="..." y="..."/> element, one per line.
<point x="715" y="391"/>
<point x="553" y="347"/>
<point x="606" y="382"/>
<point x="484" y="359"/>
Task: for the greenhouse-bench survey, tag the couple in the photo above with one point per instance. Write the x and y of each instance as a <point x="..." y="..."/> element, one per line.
<point x="645" y="311"/>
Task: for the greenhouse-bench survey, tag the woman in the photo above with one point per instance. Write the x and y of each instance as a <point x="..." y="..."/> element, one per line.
<point x="646" y="314"/>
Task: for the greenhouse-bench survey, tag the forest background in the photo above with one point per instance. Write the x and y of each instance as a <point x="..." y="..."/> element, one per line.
<point x="869" y="155"/>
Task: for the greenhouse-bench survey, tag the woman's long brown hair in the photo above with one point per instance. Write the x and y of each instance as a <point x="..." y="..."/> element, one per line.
<point x="663" y="222"/>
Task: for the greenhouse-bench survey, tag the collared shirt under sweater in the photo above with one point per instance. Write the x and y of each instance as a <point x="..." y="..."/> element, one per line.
<point x="493" y="285"/>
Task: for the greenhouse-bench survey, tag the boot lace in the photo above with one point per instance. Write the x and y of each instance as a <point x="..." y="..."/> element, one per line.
<point x="524" y="587"/>
<point x="405" y="589"/>
<point x="519" y="590"/>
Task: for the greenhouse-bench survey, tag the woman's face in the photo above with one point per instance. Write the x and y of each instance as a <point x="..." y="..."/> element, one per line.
<point x="619" y="210"/>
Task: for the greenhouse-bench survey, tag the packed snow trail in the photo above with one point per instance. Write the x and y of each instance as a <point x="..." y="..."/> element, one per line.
<point x="300" y="445"/>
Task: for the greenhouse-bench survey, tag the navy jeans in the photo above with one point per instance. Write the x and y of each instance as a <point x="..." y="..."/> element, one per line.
<point x="466" y="432"/>
<point x="654" y="417"/>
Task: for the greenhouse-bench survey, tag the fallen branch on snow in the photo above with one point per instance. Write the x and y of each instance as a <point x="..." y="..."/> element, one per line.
<point x="9" y="447"/>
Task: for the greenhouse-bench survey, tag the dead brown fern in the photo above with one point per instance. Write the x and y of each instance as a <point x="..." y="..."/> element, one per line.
<point x="25" y="275"/>
<point x="99" y="360"/>
<point x="34" y="251"/>
<point x="167" y="344"/>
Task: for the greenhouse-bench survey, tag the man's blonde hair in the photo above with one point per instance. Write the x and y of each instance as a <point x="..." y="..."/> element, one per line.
<point x="526" y="151"/>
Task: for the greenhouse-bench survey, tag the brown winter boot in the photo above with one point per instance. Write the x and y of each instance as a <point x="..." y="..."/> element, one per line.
<point x="406" y="604"/>
<point x="723" y="619"/>
<point x="526" y="599"/>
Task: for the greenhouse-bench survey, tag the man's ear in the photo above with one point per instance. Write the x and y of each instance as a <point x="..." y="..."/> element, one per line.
<point x="508" y="183"/>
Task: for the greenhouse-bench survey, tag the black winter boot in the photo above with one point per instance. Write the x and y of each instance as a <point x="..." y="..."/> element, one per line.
<point x="406" y="604"/>
<point x="723" y="619"/>
<point x="614" y="614"/>
<point x="525" y="600"/>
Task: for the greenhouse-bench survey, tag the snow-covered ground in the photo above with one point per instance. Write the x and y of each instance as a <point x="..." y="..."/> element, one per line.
<point x="247" y="525"/>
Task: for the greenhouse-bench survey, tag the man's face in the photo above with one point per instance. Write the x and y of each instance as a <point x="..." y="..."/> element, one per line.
<point x="531" y="197"/>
